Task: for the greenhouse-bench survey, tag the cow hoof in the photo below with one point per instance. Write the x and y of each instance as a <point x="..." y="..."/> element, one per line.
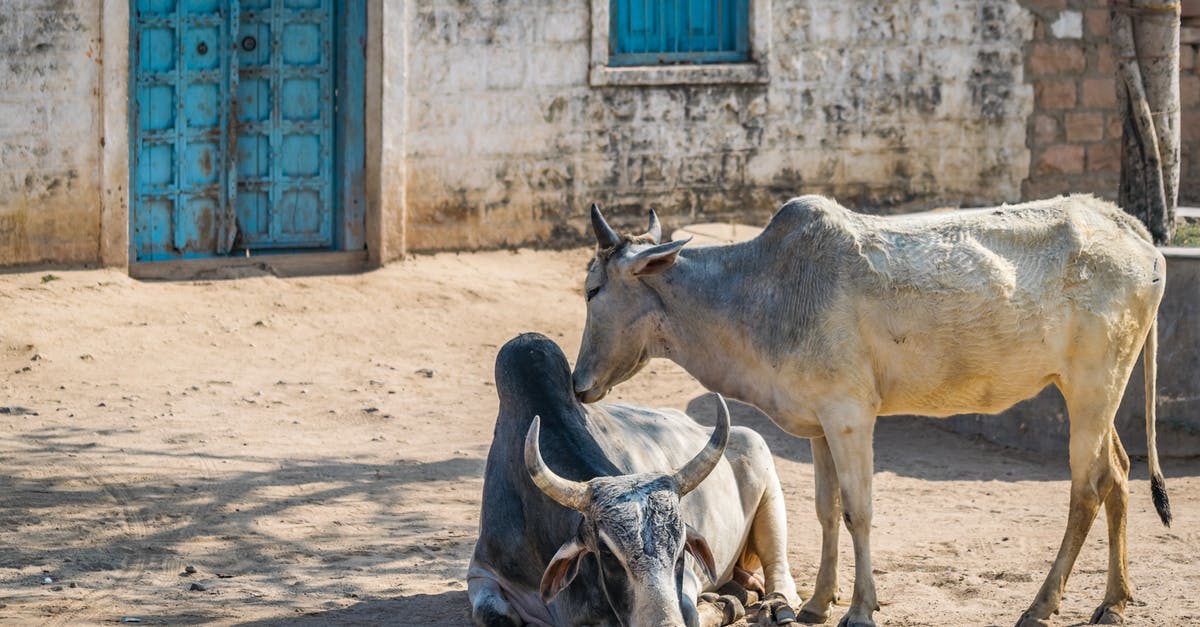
<point x="720" y="610"/>
<point x="1028" y="621"/>
<point x="731" y="608"/>
<point x="855" y="622"/>
<point x="1105" y="615"/>
<point x="492" y="617"/>
<point x="784" y="614"/>
<point x="810" y="617"/>
<point x="775" y="609"/>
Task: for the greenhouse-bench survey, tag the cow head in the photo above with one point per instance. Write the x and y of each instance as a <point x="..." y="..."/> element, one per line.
<point x="632" y="524"/>
<point x="623" y="313"/>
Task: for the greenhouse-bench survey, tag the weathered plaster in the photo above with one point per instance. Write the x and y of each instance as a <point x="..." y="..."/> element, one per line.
<point x="49" y="145"/>
<point x="386" y="120"/>
<point x="485" y="126"/>
<point x="114" y="141"/>
<point x="890" y="104"/>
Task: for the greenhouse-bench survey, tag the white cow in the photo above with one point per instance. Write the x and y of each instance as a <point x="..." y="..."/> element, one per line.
<point x="830" y="318"/>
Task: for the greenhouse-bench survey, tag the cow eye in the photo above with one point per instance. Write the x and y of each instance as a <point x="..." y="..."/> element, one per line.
<point x="592" y="293"/>
<point x="608" y="560"/>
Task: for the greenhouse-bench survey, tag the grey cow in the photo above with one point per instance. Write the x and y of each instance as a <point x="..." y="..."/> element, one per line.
<point x="583" y="523"/>
<point x="830" y="318"/>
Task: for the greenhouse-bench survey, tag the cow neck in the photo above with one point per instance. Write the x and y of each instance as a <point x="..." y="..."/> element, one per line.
<point x="567" y="445"/>
<point x="708" y="310"/>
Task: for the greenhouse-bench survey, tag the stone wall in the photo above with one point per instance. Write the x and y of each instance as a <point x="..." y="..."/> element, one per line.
<point x="49" y="137"/>
<point x="888" y="106"/>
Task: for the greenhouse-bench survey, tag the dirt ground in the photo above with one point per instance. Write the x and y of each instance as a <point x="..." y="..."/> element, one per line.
<point x="314" y="448"/>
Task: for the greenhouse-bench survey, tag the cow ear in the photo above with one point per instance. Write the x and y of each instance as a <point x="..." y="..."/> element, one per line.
<point x="562" y="568"/>
<point x="656" y="259"/>
<point x="698" y="547"/>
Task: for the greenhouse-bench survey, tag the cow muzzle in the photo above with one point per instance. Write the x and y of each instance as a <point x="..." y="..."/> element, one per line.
<point x="589" y="394"/>
<point x="586" y="388"/>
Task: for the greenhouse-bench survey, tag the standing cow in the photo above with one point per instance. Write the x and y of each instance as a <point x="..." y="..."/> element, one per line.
<point x="583" y="494"/>
<point x="830" y="318"/>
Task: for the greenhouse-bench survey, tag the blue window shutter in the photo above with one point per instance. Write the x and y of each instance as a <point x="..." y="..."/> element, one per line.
<point x="649" y="32"/>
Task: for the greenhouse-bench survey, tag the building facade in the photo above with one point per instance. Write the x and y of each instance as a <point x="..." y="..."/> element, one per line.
<point x="142" y="131"/>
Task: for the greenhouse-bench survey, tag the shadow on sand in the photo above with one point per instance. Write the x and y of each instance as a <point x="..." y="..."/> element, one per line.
<point x="447" y="608"/>
<point x="143" y="524"/>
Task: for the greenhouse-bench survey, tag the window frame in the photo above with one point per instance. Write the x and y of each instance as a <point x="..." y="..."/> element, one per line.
<point x="712" y="46"/>
<point x="752" y="71"/>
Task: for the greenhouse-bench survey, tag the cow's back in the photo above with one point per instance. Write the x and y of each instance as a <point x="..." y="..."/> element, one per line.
<point x="1080" y="245"/>
<point x="974" y="310"/>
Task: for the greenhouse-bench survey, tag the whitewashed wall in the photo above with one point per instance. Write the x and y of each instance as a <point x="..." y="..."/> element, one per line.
<point x="881" y="104"/>
<point x="49" y="139"/>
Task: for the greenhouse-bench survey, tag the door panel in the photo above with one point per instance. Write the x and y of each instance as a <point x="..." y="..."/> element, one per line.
<point x="285" y="142"/>
<point x="180" y="146"/>
<point x="233" y="144"/>
<point x="205" y="75"/>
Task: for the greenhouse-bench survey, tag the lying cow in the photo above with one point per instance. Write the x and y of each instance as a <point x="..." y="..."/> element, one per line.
<point x="587" y="528"/>
<point x="830" y="318"/>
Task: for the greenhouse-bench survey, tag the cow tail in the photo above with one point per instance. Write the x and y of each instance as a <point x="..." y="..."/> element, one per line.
<point x="1158" y="485"/>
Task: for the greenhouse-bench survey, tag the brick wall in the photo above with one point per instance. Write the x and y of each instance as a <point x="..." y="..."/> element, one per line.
<point x="1189" y="104"/>
<point x="1074" y="135"/>
<point x="894" y="105"/>
<point x="49" y="142"/>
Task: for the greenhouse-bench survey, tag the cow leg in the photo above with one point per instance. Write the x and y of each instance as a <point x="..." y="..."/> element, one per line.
<point x="829" y="513"/>
<point x="489" y="606"/>
<point x="1117" y="593"/>
<point x="849" y="432"/>
<point x="1091" y="424"/>
<point x="768" y="537"/>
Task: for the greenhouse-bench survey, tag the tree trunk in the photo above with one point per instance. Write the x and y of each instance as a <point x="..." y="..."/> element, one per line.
<point x="1145" y="39"/>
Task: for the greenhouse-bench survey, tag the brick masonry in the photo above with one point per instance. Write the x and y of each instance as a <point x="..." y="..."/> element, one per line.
<point x="1070" y="124"/>
<point x="1074" y="136"/>
<point x="49" y="131"/>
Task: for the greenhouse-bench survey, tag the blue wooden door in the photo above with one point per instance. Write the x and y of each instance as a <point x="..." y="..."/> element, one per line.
<point x="234" y="142"/>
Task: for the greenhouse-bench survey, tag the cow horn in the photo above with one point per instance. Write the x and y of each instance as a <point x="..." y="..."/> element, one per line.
<point x="695" y="471"/>
<point x="605" y="235"/>
<point x="654" y="232"/>
<point x="572" y="494"/>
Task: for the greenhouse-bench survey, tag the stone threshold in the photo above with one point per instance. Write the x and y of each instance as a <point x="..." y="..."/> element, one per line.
<point x="281" y="265"/>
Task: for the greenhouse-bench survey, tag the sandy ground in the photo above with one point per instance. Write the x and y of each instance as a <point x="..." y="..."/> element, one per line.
<point x="314" y="448"/>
